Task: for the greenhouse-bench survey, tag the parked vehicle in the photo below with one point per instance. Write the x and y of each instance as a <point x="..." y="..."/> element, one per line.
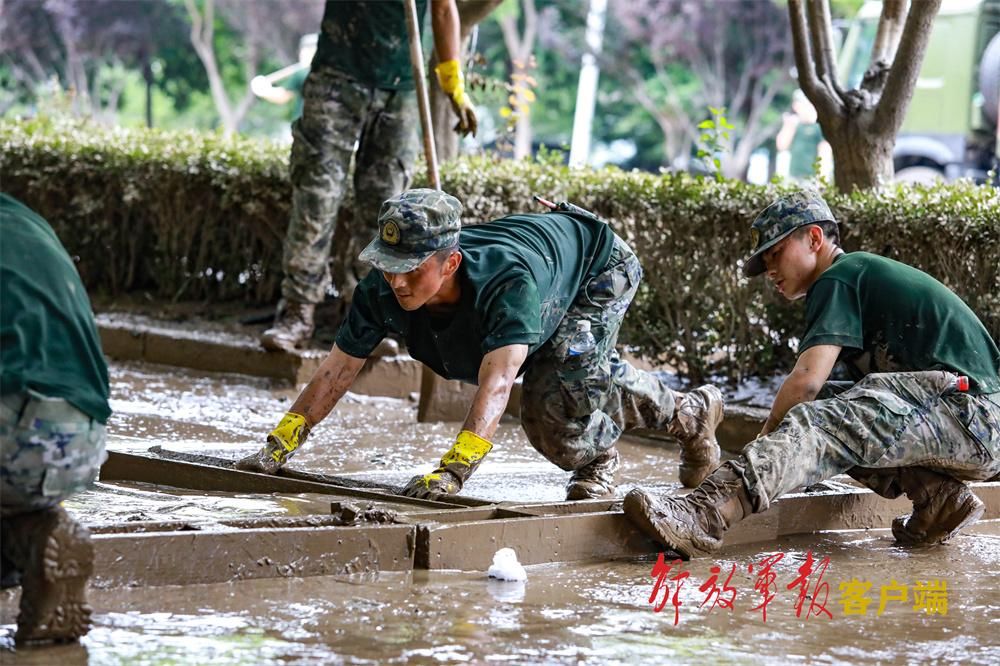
<point x="950" y="129"/>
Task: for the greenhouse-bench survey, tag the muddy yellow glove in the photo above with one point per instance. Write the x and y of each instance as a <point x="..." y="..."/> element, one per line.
<point x="283" y="441"/>
<point x="452" y="82"/>
<point x="456" y="466"/>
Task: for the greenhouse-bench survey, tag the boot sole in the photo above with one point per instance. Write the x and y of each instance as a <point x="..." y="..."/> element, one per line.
<point x="973" y="511"/>
<point x="639" y="508"/>
<point x="54" y="604"/>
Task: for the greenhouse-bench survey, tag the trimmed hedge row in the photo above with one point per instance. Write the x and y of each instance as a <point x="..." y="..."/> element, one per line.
<point x="198" y="217"/>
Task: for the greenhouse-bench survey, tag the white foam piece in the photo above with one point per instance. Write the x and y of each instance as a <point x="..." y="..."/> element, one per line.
<point x="506" y="567"/>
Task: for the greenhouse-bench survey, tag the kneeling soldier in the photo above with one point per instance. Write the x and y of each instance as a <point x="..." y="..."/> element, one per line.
<point x="908" y="425"/>
<point x="493" y="302"/>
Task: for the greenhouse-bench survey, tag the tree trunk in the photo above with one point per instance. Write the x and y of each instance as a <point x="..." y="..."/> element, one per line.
<point x="862" y="157"/>
<point x="861" y="125"/>
<point x="519" y="50"/>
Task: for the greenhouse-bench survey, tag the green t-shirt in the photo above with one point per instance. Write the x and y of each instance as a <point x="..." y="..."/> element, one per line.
<point x="890" y="317"/>
<point x="804" y="148"/>
<point x="368" y="42"/>
<point x="294" y="84"/>
<point x="48" y="338"/>
<point x="518" y="276"/>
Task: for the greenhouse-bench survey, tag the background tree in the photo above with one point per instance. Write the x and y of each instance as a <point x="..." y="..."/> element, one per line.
<point x="518" y="21"/>
<point x="471" y="13"/>
<point x="676" y="59"/>
<point x="262" y="28"/>
<point x="85" y="47"/>
<point x="861" y="124"/>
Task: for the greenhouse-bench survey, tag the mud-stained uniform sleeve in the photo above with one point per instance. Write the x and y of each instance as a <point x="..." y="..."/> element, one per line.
<point x="513" y="315"/>
<point x="833" y="316"/>
<point x="364" y="327"/>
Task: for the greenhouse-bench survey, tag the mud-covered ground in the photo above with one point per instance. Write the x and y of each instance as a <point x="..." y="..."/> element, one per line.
<point x="565" y="613"/>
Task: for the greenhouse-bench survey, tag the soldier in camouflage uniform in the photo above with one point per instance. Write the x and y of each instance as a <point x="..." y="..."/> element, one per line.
<point x="499" y="300"/>
<point x="922" y="416"/>
<point x="359" y="102"/>
<point x="53" y="407"/>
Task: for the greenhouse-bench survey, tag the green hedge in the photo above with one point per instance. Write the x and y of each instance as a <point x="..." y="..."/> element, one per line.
<point x="198" y="217"/>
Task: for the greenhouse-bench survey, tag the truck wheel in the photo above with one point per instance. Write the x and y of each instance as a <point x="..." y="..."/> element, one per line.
<point x="989" y="79"/>
<point x="923" y="175"/>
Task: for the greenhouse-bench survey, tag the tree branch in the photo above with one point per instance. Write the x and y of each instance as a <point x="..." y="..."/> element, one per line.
<point x="811" y="85"/>
<point x="905" y="68"/>
<point x="890" y="25"/>
<point x="825" y="27"/>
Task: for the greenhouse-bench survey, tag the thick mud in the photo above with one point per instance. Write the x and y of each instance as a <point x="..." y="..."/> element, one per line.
<point x="565" y="613"/>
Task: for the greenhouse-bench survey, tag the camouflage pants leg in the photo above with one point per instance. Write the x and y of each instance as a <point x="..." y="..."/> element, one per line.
<point x="338" y="112"/>
<point x="885" y="421"/>
<point x="575" y="409"/>
<point x="49" y="450"/>
<point x="383" y="168"/>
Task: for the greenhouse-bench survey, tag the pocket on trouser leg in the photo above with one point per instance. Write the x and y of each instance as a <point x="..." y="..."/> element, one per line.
<point x="867" y="421"/>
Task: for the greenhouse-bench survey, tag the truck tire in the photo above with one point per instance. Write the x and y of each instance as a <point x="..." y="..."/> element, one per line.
<point x="922" y="175"/>
<point x="989" y="79"/>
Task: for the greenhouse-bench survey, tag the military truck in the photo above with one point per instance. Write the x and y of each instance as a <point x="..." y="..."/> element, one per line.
<point x="950" y="129"/>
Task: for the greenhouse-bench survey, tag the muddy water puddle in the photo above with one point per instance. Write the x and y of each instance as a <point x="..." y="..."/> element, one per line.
<point x="565" y="613"/>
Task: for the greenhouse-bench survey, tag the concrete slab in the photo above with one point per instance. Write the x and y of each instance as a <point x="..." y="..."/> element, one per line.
<point x="195" y="557"/>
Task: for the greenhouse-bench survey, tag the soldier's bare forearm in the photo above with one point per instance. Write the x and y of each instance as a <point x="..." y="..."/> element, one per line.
<point x="331" y="381"/>
<point x="497" y="375"/>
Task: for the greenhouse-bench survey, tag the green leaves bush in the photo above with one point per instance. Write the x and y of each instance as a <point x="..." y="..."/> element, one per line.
<point x="195" y="216"/>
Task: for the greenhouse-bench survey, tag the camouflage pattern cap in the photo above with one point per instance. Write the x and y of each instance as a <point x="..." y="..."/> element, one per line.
<point x="411" y="227"/>
<point x="778" y="220"/>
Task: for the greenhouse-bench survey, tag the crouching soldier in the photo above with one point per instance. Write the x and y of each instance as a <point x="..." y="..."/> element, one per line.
<point x="908" y="425"/>
<point x="53" y="406"/>
<point x="489" y="303"/>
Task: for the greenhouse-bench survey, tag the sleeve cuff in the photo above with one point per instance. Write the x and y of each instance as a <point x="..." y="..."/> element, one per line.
<point x="848" y="341"/>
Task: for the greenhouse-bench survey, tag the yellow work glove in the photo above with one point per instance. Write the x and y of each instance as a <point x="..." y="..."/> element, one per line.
<point x="452" y="82"/>
<point x="456" y="466"/>
<point x="283" y="441"/>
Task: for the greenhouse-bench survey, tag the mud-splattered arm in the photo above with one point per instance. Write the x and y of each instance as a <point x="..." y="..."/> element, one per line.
<point x="327" y="386"/>
<point x="811" y="370"/>
<point x="497" y="374"/>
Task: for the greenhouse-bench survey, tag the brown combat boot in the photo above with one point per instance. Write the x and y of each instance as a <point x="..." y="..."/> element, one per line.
<point x="696" y="416"/>
<point x="56" y="557"/>
<point x="692" y="525"/>
<point x="941" y="507"/>
<point x="292" y="329"/>
<point x="595" y="479"/>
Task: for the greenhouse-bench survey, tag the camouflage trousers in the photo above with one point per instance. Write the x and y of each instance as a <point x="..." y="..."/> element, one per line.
<point x="49" y="450"/>
<point x="339" y="114"/>
<point x="885" y="421"/>
<point x="574" y="409"/>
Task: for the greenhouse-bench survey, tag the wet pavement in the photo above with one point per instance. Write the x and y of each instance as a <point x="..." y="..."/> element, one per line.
<point x="565" y="613"/>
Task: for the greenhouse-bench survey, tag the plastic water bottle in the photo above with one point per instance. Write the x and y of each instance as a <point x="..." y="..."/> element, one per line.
<point x="958" y="385"/>
<point x="583" y="341"/>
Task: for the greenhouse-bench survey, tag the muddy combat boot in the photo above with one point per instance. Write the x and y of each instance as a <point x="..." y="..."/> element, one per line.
<point x="596" y="479"/>
<point x="56" y="557"/>
<point x="696" y="416"/>
<point x="941" y="507"/>
<point x="292" y="329"/>
<point x="693" y="525"/>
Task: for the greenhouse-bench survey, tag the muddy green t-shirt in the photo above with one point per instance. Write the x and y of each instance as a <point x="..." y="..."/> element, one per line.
<point x="48" y="338"/>
<point x="518" y="276"/>
<point x="890" y="317"/>
<point x="367" y="40"/>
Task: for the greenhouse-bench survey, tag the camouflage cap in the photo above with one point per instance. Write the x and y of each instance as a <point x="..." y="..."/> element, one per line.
<point x="411" y="227"/>
<point x="780" y="219"/>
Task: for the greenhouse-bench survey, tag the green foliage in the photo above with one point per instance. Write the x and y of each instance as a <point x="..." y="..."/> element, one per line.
<point x="714" y="139"/>
<point x="196" y="216"/>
